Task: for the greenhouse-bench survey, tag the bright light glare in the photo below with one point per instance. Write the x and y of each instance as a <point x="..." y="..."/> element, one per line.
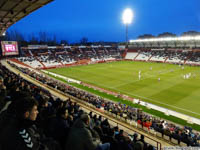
<point x="4" y="33"/>
<point x="186" y="38"/>
<point x="127" y="16"/>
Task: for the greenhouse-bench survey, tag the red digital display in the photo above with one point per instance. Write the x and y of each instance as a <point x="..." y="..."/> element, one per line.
<point x="9" y="48"/>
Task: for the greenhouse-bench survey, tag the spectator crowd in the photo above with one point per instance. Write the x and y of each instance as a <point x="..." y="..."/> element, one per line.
<point x="31" y="118"/>
<point x="182" y="134"/>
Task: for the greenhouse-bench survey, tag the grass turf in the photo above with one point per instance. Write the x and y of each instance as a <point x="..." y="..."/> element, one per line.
<point x="172" y="91"/>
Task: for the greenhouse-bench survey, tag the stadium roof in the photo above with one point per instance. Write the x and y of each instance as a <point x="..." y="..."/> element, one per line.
<point x="184" y="38"/>
<point x="179" y="42"/>
<point x="12" y="11"/>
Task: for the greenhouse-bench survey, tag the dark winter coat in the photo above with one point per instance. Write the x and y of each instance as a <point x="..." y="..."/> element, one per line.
<point x="81" y="137"/>
<point x="23" y="135"/>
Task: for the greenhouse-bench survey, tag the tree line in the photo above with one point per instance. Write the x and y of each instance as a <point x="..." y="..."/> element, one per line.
<point x="45" y="38"/>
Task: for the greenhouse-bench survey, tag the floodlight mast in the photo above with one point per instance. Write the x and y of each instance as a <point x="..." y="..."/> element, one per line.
<point x="126" y="34"/>
<point x="127" y="19"/>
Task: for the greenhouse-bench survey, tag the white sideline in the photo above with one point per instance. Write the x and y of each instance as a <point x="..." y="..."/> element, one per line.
<point x="153" y="100"/>
<point x="164" y="110"/>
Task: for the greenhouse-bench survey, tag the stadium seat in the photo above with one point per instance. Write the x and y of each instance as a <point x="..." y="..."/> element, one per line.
<point x="158" y="134"/>
<point x="106" y="112"/>
<point x="131" y="123"/>
<point x="135" y="124"/>
<point x="139" y="126"/>
<point x="123" y="119"/>
<point x="174" y="141"/>
<point x="128" y="121"/>
<point x="118" y="117"/>
<point x="166" y="137"/>
<point x="92" y="106"/>
<point x="88" y="104"/>
<point x="113" y="115"/>
<point x="146" y="129"/>
<point x="183" y="144"/>
<point x="152" y="131"/>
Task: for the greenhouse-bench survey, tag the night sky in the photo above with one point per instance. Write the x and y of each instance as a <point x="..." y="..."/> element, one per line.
<point x="101" y="20"/>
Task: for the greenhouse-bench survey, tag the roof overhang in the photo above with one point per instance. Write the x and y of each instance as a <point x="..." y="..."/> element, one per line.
<point x="12" y="11"/>
<point x="169" y="39"/>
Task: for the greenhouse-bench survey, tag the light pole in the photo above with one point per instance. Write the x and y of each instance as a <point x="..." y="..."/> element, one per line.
<point x="127" y="19"/>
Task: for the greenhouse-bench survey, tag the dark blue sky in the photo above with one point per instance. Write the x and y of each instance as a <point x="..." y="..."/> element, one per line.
<point x="101" y="20"/>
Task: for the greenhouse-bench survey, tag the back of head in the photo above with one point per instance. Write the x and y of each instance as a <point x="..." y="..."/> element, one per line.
<point x="142" y="137"/>
<point x="150" y="147"/>
<point x="82" y="122"/>
<point x="138" y="146"/>
<point x="135" y="135"/>
<point x="85" y="118"/>
<point x="111" y="132"/>
<point x="62" y="111"/>
<point x="121" y="132"/>
<point x="43" y="102"/>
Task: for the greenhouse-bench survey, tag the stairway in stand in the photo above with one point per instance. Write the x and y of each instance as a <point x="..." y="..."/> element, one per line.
<point x="166" y="59"/>
<point x="40" y="62"/>
<point x="19" y="62"/>
<point x="136" y="56"/>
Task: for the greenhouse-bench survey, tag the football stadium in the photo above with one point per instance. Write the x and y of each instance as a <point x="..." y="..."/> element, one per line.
<point x="139" y="94"/>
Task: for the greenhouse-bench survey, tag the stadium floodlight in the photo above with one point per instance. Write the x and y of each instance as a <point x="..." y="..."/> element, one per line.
<point x="4" y="33"/>
<point x="127" y="19"/>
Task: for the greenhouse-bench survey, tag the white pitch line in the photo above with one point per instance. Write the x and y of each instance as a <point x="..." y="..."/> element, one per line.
<point x="150" y="76"/>
<point x="158" y="102"/>
<point x="153" y="100"/>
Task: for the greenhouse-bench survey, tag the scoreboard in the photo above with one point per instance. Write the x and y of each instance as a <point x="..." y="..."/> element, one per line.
<point x="9" y="48"/>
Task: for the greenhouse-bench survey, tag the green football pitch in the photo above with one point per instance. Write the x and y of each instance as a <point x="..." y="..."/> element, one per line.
<point x="160" y="84"/>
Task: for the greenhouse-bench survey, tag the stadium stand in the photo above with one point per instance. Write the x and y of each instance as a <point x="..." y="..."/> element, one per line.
<point x="131" y="55"/>
<point x="157" y="56"/>
<point x="48" y="57"/>
<point x="175" y="56"/>
<point x="57" y="122"/>
<point x="66" y="116"/>
<point x="134" y="116"/>
<point x="143" y="56"/>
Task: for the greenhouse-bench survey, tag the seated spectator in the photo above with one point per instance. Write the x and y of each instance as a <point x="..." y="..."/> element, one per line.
<point x="20" y="132"/>
<point x="58" y="126"/>
<point x="134" y="139"/>
<point x="2" y="93"/>
<point x="98" y="129"/>
<point x="142" y="140"/>
<point x="43" y="113"/>
<point x="81" y="137"/>
<point x="110" y="138"/>
<point x="138" y="146"/>
<point x="120" y="136"/>
<point x="105" y="125"/>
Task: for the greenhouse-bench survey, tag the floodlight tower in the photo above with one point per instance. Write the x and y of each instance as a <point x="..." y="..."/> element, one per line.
<point x="127" y="19"/>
